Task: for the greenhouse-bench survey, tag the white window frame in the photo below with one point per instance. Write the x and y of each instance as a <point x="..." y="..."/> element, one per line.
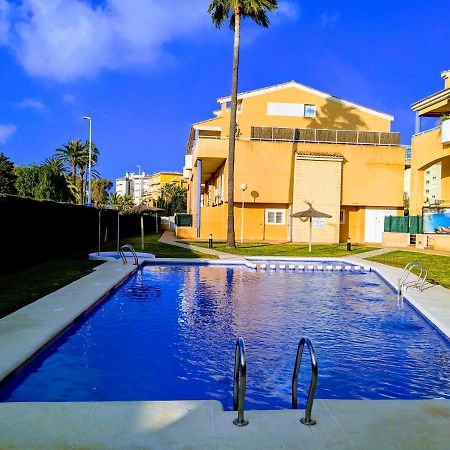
<point x="311" y="106"/>
<point x="275" y="211"/>
<point x="285" y="109"/>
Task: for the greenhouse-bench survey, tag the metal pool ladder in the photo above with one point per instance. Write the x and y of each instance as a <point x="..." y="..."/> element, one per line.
<point x="312" y="387"/>
<point x="132" y="250"/>
<point x="239" y="383"/>
<point x="418" y="283"/>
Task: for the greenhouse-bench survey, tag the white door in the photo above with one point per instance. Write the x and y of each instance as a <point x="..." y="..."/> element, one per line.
<point x="374" y="226"/>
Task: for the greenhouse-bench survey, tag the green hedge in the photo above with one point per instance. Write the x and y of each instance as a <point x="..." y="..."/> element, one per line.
<point x="34" y="231"/>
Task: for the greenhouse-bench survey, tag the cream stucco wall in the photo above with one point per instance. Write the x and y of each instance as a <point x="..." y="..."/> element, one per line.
<point x="317" y="181"/>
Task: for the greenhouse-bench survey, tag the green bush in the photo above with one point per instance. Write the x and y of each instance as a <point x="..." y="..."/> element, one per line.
<point x="34" y="231"/>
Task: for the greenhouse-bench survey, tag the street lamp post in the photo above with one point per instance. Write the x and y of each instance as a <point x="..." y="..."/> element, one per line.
<point x="89" y="202"/>
<point x="243" y="188"/>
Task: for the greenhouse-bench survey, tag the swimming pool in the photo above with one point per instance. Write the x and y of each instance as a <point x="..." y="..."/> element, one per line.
<point x="168" y="333"/>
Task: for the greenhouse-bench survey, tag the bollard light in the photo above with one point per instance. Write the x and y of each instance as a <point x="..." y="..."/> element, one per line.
<point x="349" y="245"/>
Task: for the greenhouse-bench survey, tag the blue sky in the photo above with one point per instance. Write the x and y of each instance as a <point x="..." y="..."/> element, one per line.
<point x="146" y="69"/>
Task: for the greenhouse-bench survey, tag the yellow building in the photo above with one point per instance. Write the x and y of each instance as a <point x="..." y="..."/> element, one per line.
<point x="430" y="160"/>
<point x="158" y="180"/>
<point x="294" y="144"/>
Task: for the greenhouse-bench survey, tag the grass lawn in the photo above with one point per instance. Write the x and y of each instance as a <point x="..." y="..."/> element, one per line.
<point x="438" y="266"/>
<point x="151" y="245"/>
<point x="20" y="288"/>
<point x="288" y="249"/>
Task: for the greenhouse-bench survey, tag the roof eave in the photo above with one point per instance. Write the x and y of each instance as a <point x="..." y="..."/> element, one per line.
<point x="303" y="87"/>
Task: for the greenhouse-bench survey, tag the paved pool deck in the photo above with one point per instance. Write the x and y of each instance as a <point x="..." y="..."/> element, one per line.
<point x="342" y="424"/>
<point x="203" y="425"/>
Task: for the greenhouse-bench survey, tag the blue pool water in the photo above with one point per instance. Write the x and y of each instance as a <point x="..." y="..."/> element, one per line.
<point x="169" y="332"/>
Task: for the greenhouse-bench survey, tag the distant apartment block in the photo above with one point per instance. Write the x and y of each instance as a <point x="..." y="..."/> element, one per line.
<point x="146" y="188"/>
<point x="159" y="180"/>
<point x="133" y="184"/>
<point x="432" y="184"/>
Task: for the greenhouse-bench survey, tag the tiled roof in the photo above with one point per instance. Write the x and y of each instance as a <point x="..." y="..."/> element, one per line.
<point x="323" y="154"/>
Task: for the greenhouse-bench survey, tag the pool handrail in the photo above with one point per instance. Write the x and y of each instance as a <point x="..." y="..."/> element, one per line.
<point x="417" y="283"/>
<point x="132" y="250"/>
<point x="313" y="384"/>
<point x="239" y="382"/>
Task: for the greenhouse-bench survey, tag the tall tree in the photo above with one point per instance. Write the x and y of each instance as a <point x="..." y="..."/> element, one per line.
<point x="75" y="156"/>
<point x="42" y="182"/>
<point x="71" y="154"/>
<point x="100" y="192"/>
<point x="7" y="176"/>
<point x="120" y="203"/>
<point x="83" y="167"/>
<point x="233" y="11"/>
<point x="173" y="199"/>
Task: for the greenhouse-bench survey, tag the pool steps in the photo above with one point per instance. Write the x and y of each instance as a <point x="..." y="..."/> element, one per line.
<point x="270" y="267"/>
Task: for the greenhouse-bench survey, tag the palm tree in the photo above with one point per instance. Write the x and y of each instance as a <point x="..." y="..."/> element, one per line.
<point x="233" y="11"/>
<point x="71" y="154"/>
<point x="83" y="165"/>
<point x="121" y="203"/>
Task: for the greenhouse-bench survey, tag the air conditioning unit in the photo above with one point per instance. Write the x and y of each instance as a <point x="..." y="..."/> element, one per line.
<point x="446" y="131"/>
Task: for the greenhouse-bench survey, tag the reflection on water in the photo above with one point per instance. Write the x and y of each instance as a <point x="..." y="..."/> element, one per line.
<point x="169" y="333"/>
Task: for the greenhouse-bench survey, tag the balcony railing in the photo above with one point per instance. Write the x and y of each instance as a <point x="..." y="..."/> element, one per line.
<point x="325" y="136"/>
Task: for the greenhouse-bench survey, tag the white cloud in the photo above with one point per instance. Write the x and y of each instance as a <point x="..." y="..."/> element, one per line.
<point x="71" y="39"/>
<point x="30" y="103"/>
<point x="287" y="10"/>
<point x="6" y="131"/>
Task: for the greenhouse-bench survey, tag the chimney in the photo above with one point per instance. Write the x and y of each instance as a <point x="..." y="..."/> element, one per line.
<point x="446" y="76"/>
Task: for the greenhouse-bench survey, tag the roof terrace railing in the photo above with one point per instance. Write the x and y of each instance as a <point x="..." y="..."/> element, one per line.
<point x="326" y="136"/>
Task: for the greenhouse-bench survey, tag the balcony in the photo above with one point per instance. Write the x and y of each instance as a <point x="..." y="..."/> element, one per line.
<point x="326" y="136"/>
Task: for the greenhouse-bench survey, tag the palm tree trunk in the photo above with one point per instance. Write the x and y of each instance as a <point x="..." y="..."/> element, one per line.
<point x="231" y="241"/>
<point x="74" y="174"/>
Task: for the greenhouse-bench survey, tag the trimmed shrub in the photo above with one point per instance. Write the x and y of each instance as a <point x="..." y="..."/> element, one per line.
<point x="35" y="231"/>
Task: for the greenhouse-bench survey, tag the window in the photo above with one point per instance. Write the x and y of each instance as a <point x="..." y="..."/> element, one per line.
<point x="285" y="109"/>
<point x="310" y="110"/>
<point x="342" y="217"/>
<point x="427" y="182"/>
<point x="275" y="216"/>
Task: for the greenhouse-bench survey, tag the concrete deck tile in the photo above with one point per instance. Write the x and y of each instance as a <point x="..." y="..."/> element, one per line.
<point x="393" y="424"/>
<point x="280" y="429"/>
<point x="154" y="425"/>
<point x="42" y="425"/>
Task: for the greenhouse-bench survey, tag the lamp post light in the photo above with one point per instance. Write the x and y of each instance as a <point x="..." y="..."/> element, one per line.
<point x="243" y="189"/>
<point x="89" y="199"/>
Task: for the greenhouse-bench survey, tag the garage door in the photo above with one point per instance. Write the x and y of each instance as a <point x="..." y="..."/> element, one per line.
<point x="374" y="225"/>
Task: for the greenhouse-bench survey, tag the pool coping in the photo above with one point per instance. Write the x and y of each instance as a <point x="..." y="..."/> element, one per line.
<point x="163" y="424"/>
